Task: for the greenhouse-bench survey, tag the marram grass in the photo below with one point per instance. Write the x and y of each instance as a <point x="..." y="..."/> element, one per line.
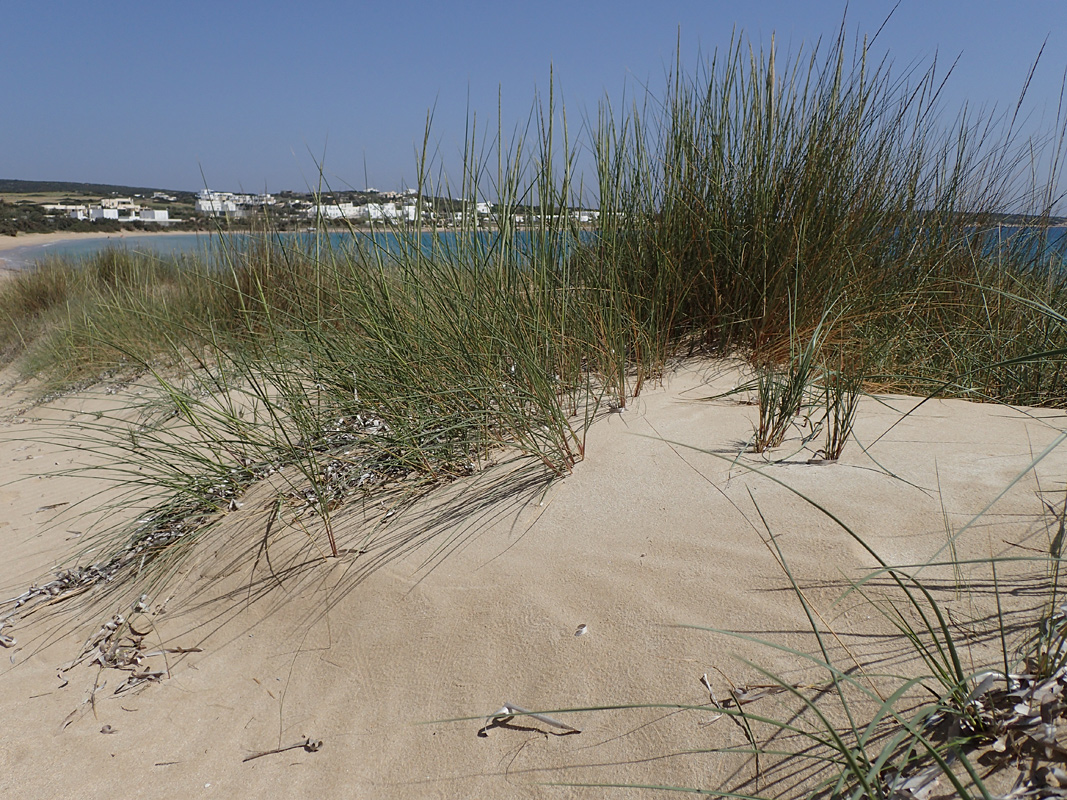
<point x="818" y="216"/>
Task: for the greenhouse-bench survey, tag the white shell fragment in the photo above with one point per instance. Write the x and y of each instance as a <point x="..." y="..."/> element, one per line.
<point x="582" y="630"/>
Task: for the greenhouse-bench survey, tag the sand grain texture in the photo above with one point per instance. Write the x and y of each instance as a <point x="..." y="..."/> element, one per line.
<point x="471" y="600"/>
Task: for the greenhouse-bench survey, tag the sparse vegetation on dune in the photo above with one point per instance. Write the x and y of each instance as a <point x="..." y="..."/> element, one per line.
<point x="819" y="218"/>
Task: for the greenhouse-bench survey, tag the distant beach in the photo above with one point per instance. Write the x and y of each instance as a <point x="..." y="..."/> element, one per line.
<point x="18" y="252"/>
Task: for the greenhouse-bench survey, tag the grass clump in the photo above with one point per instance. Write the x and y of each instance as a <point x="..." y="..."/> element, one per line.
<point x="69" y="322"/>
<point x="756" y="195"/>
<point x="956" y="718"/>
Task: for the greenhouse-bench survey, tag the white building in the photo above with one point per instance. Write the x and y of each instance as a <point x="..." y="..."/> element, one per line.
<point x="155" y="215"/>
<point x="60" y="209"/>
<point x="215" y="207"/>
<point x="123" y="203"/>
<point x="103" y="213"/>
<point x="216" y="203"/>
<point x="368" y="212"/>
<point x="334" y="211"/>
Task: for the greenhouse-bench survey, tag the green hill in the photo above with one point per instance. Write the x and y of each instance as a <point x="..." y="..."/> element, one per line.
<point x="69" y="187"/>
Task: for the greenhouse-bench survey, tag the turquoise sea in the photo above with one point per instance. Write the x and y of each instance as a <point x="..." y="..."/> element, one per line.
<point x="164" y="245"/>
<point x="204" y="244"/>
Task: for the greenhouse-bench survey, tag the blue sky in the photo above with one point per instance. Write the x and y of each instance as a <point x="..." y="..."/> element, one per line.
<point x="251" y="94"/>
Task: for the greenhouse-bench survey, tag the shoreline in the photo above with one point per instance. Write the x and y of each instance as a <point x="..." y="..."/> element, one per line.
<point x="22" y="241"/>
<point x="16" y="244"/>
<point x="8" y="243"/>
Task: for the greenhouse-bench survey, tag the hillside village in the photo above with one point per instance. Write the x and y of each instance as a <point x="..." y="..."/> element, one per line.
<point x="42" y="207"/>
<point x="362" y="208"/>
<point x="120" y="209"/>
<point x="149" y="209"/>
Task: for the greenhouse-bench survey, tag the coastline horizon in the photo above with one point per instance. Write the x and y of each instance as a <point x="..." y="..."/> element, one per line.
<point x="13" y="249"/>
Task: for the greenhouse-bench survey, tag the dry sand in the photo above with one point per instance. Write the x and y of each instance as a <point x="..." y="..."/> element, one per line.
<point x="34" y="239"/>
<point x="471" y="600"/>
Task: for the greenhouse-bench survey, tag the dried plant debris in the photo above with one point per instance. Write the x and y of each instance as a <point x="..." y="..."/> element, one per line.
<point x="308" y="745"/>
<point x="1018" y="722"/>
<point x="1007" y="725"/>
<point x="509" y="711"/>
<point x="352" y="455"/>
<point x="1021" y="722"/>
<point x="749" y="693"/>
<point x="919" y="786"/>
<point x="67" y="583"/>
<point x="1015" y="725"/>
<point x="358" y="454"/>
<point x="340" y="476"/>
<point x="120" y="645"/>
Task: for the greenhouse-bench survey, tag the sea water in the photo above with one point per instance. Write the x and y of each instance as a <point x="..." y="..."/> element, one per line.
<point x="77" y="249"/>
<point x="207" y="246"/>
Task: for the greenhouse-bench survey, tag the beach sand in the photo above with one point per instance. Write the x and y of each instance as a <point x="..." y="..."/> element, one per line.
<point x="25" y="240"/>
<point x="471" y="600"/>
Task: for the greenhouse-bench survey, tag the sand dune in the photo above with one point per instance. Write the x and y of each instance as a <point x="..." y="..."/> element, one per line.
<point x="471" y="599"/>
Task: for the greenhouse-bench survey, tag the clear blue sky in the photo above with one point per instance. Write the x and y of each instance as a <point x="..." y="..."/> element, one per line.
<point x="150" y="94"/>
